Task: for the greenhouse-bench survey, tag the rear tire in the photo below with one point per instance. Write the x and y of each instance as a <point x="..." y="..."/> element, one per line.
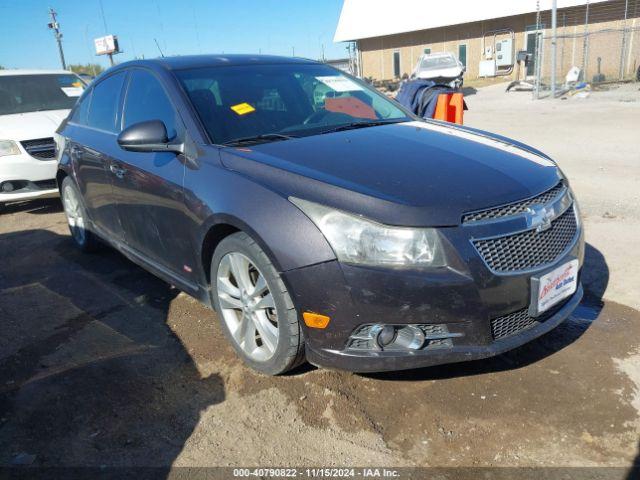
<point x="255" y="309"/>
<point x="77" y="218"/>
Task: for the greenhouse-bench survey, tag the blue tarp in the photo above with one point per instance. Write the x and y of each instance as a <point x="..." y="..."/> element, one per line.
<point x="421" y="96"/>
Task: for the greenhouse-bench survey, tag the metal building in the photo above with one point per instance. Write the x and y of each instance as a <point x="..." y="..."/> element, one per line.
<point x="601" y="37"/>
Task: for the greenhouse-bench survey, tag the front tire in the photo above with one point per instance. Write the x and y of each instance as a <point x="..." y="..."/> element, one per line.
<point x="77" y="219"/>
<point x="254" y="307"/>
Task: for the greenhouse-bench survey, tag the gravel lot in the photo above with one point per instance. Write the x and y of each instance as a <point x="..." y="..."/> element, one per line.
<point x="103" y="364"/>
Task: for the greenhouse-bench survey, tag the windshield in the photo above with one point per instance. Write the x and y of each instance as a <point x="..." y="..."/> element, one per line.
<point x="436" y="63"/>
<point x="245" y="101"/>
<point x="33" y="93"/>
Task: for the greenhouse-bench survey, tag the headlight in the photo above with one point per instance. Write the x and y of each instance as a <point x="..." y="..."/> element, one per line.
<point x="8" y="147"/>
<point x="358" y="240"/>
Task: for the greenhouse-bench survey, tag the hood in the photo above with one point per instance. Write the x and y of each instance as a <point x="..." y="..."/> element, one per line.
<point x="30" y="125"/>
<point x="412" y="173"/>
<point x="452" y="72"/>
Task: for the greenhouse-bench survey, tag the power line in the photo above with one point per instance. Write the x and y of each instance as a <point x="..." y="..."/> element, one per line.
<point x="104" y="19"/>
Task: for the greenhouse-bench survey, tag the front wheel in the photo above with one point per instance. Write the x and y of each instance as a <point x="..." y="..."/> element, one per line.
<point x="255" y="309"/>
<point x="76" y="214"/>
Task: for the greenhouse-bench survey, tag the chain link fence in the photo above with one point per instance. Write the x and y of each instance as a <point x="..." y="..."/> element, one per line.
<point x="602" y="40"/>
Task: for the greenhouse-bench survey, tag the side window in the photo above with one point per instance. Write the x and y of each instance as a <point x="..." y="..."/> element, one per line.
<point x="104" y="103"/>
<point x="81" y="113"/>
<point x="147" y="100"/>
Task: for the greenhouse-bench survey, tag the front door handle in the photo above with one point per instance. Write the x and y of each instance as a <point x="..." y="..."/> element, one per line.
<point x="117" y="171"/>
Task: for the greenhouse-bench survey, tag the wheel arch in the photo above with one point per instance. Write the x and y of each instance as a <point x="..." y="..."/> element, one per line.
<point x="61" y="174"/>
<point x="219" y="227"/>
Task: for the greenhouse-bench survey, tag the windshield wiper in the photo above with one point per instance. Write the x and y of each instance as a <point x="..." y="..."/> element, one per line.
<point x="265" y="137"/>
<point x="354" y="125"/>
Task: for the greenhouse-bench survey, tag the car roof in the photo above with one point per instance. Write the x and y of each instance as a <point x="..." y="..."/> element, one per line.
<point x="12" y="72"/>
<point x="198" y="61"/>
<point x="439" y="54"/>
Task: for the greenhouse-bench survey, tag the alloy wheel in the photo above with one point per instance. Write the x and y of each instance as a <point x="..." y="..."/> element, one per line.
<point x="247" y="305"/>
<point x="74" y="212"/>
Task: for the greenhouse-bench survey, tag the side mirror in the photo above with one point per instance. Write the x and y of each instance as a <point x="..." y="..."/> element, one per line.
<point x="149" y="136"/>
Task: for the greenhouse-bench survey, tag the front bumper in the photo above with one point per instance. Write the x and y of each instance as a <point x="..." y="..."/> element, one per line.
<point x="389" y="361"/>
<point x="36" y="177"/>
<point x="466" y="297"/>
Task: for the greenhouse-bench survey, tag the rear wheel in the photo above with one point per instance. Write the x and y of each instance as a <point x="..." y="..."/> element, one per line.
<point x="255" y="309"/>
<point x="84" y="239"/>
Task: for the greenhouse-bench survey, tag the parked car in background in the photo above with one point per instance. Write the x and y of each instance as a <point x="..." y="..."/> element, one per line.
<point x="33" y="103"/>
<point x="319" y="218"/>
<point x="86" y="77"/>
<point x="443" y="68"/>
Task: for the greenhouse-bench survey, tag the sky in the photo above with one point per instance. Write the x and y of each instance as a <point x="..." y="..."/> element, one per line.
<point x="181" y="27"/>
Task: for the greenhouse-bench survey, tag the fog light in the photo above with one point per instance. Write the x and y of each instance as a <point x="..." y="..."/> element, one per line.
<point x="398" y="338"/>
<point x="386" y="335"/>
<point x="7" y="187"/>
<point x="409" y="337"/>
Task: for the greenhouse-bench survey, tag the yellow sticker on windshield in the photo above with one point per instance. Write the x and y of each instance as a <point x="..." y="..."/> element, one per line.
<point x="243" y="108"/>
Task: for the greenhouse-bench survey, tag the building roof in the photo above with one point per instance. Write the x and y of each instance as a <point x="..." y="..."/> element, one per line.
<point x="375" y="18"/>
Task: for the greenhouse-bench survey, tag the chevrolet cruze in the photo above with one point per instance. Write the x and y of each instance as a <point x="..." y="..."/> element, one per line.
<point x="320" y="219"/>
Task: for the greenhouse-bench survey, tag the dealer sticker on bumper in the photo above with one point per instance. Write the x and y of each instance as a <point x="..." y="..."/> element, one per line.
<point x="556" y="285"/>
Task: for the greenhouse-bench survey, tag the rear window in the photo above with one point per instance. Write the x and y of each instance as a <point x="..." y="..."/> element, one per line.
<point x="35" y="93"/>
<point x="436" y="63"/>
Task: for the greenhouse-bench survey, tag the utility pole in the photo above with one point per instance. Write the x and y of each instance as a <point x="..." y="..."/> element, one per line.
<point x="585" y="44"/>
<point x="53" y="25"/>
<point x="554" y="41"/>
<point x="537" y="56"/>
<point x="624" y="40"/>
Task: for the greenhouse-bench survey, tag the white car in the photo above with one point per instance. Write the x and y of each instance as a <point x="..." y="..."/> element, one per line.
<point x="442" y="68"/>
<point x="32" y="105"/>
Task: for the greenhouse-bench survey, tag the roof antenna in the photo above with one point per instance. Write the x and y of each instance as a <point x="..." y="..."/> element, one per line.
<point x="159" y="49"/>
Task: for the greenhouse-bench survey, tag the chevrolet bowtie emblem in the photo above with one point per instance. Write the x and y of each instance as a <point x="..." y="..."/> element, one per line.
<point x="540" y="217"/>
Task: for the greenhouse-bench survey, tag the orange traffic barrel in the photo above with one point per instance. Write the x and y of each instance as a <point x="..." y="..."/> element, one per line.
<point x="450" y="108"/>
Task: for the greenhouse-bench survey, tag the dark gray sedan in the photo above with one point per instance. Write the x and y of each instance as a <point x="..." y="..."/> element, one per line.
<point x="320" y="219"/>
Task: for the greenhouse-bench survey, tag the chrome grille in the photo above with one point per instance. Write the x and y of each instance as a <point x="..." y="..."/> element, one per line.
<point x="41" y="148"/>
<point x="514" y="208"/>
<point x="530" y="249"/>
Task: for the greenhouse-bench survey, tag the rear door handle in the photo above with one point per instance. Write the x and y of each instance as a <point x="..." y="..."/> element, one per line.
<point x="117" y="171"/>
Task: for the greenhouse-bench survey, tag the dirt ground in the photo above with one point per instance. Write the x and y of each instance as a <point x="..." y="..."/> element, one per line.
<point x="101" y="364"/>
